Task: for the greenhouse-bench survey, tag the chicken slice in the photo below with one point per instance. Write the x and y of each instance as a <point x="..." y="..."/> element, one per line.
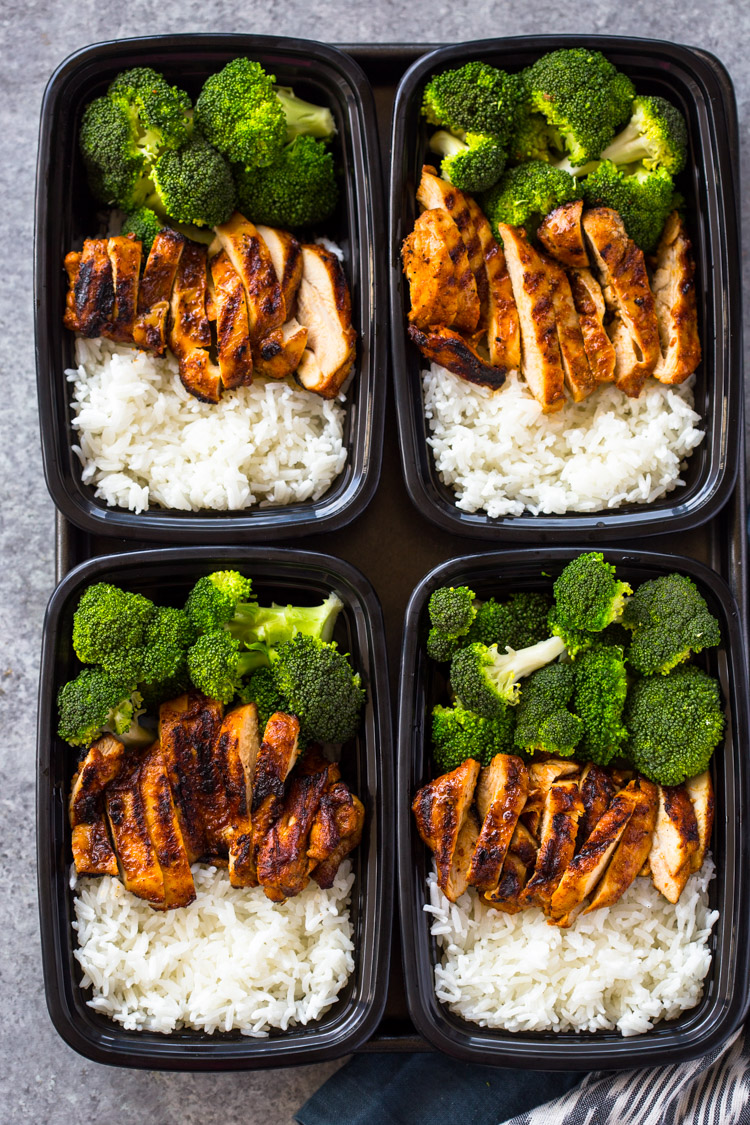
<point x="587" y="867"/>
<point x="579" y="378"/>
<point x="125" y="259"/>
<point x="164" y="830"/>
<point x="324" y="308"/>
<point x="72" y="263"/>
<point x="675" y="843"/>
<point x="92" y="850"/>
<point x="503" y="327"/>
<point x="519" y="861"/>
<point x="155" y="291"/>
<point x="440" y="809"/>
<point x="458" y="874"/>
<point x="252" y="260"/>
<point x="286" y="255"/>
<point x="334" y="813"/>
<point x="557" y="840"/>
<point x="136" y="854"/>
<point x="627" y="293"/>
<point x="94" y="291"/>
<point x="189" y="330"/>
<point x="634" y="845"/>
<point x="542" y="775"/>
<point x="531" y="279"/>
<point x="457" y="354"/>
<point x="561" y="235"/>
<point x="597" y="790"/>
<point x="442" y="285"/>
<point x="232" y="329"/>
<point x="279" y="353"/>
<point x="188" y="727"/>
<point x="436" y="194"/>
<point x="283" y="864"/>
<point x="589" y="302"/>
<point x="676" y="306"/>
<point x="500" y="796"/>
<point x="701" y="793"/>
<point x="348" y="814"/>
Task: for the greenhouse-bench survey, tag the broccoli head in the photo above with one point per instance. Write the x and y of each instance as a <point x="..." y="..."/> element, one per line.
<point x="519" y="622"/>
<point x="643" y="199"/>
<point x="193" y="185"/>
<point x="109" y="622"/>
<point x="320" y="687"/>
<point x="588" y="598"/>
<point x="114" y="163"/>
<point x="214" y="598"/>
<point x="144" y="224"/>
<point x="452" y="609"/>
<point x="674" y="723"/>
<point x="95" y="702"/>
<point x="473" y="162"/>
<point x="656" y="136"/>
<point x="670" y="620"/>
<point x="533" y="138"/>
<point x="473" y="98"/>
<point x="486" y="681"/>
<point x="525" y="194"/>
<point x="543" y="720"/>
<point x="582" y="96"/>
<point x="160" y="114"/>
<point x="261" y="690"/>
<point x="601" y="685"/>
<point x="296" y="189"/>
<point x="442" y="647"/>
<point x="458" y="734"/>
<point x="217" y="666"/>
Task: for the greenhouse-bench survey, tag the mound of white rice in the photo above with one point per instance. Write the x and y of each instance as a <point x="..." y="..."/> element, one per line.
<point x="502" y="455"/>
<point x="144" y="441"/>
<point x="232" y="959"/>
<point x="625" y="966"/>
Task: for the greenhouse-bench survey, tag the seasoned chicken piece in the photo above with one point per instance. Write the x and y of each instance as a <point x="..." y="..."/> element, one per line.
<point x="440" y="809"/>
<point x="324" y="308"/>
<point x="279" y="353"/>
<point x="252" y="260"/>
<point x="701" y="793"/>
<point x="189" y="330"/>
<point x="579" y="378"/>
<point x="164" y="829"/>
<point x="232" y="330"/>
<point x="125" y="259"/>
<point x="457" y="354"/>
<point x="500" y="796"/>
<point x="627" y="293"/>
<point x="150" y="327"/>
<point x="458" y="874"/>
<point x="436" y="194"/>
<point x="72" y="264"/>
<point x="676" y="841"/>
<point x="286" y="255"/>
<point x="531" y="279"/>
<point x="235" y="752"/>
<point x="634" y="845"/>
<point x="126" y="813"/>
<point x="587" y="867"/>
<point x="561" y="235"/>
<point x="442" y="286"/>
<point x="283" y="864"/>
<point x="92" y="850"/>
<point x="335" y="815"/>
<point x="557" y="840"/>
<point x="188" y="728"/>
<point x="541" y="776"/>
<point x="519" y="861"/>
<point x="94" y="291"/>
<point x="597" y="790"/>
<point x="676" y="305"/>
<point x="503" y="327"/>
<point x="589" y="302"/>
<point x="348" y="814"/>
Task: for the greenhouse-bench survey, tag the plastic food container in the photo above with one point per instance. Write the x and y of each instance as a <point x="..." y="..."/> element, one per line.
<point x="725" y="996"/>
<point x="66" y="212"/>
<point x="367" y="766"/>
<point x="696" y="82"/>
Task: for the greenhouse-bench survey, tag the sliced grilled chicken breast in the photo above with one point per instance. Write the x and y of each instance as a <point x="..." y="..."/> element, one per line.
<point x="589" y="302"/>
<point x="442" y="285"/>
<point x="279" y="353"/>
<point x="519" y="862"/>
<point x="458" y="873"/>
<point x="155" y="291"/>
<point x="286" y="255"/>
<point x="557" y="839"/>
<point x="561" y="235"/>
<point x="188" y="727"/>
<point x="164" y="830"/>
<point x="531" y="279"/>
<point x="139" y="864"/>
<point x="72" y="263"/>
<point x="348" y="814"/>
<point x="94" y="289"/>
<point x="189" y="330"/>
<point x="283" y="864"/>
<point x="676" y="841"/>
<point x="440" y="809"/>
<point x="676" y="305"/>
<point x="579" y="378"/>
<point x="125" y="259"/>
<point x="541" y="776"/>
<point x="251" y="258"/>
<point x="457" y="354"/>
<point x="701" y="793"/>
<point x="503" y="327"/>
<point x="633" y="847"/>
<point x="232" y="327"/>
<point x="597" y="790"/>
<point x="500" y="796"/>
<point x="92" y="850"/>
<point x="324" y="308"/>
<point x="436" y="194"/>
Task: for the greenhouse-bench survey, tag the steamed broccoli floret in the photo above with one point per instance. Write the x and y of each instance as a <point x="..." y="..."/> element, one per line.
<point x="109" y="622"/>
<point x="643" y="199"/>
<point x="656" y="135"/>
<point x="458" y="734"/>
<point x="193" y="185"/>
<point x="533" y="138"/>
<point x="582" y="96"/>
<point x="670" y="621"/>
<point x="486" y="681"/>
<point x="472" y="163"/>
<point x="452" y="611"/>
<point x="524" y="195"/>
<point x="160" y="114"/>
<point x="216" y="665"/>
<point x="320" y="686"/>
<point x="474" y="98"/>
<point x="163" y="670"/>
<point x="296" y="189"/>
<point x="213" y="600"/>
<point x="674" y="723"/>
<point x="95" y="702"/>
<point x="261" y="690"/>
<point x="519" y="622"/>
<point x="442" y="647"/>
<point x="601" y="685"/>
<point x="543" y="721"/>
<point x="588" y="598"/>
<point x="144" y="224"/>
<point x="272" y="624"/>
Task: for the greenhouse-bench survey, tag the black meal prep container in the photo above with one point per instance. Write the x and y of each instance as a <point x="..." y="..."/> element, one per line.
<point x="66" y="212"/>
<point x="697" y="83"/>
<point x="367" y="765"/>
<point x="725" y="999"/>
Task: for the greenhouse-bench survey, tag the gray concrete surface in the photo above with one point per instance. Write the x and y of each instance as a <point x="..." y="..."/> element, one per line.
<point x="41" y="1079"/>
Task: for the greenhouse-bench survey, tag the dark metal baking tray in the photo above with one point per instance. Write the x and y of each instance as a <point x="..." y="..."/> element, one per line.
<point x="395" y="546"/>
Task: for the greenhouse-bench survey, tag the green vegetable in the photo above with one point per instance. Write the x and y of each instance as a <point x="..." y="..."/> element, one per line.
<point x="601" y="685"/>
<point x="670" y="621"/>
<point x="519" y="622"/>
<point x="144" y="224"/>
<point x="160" y="114"/>
<point x="296" y="189"/>
<point x="525" y="194"/>
<point x="213" y="600"/>
<point x="217" y="666"/>
<point x="442" y="647"/>
<point x="543" y="721"/>
<point x="261" y="690"/>
<point x="656" y="135"/>
<point x="452" y="611"/>
<point x="109" y="622"/>
<point x="643" y="199"/>
<point x="675" y="722"/>
<point x="486" y="681"/>
<point x="533" y="139"/>
<point x="320" y="686"/>
<point x="193" y="185"/>
<point x="473" y="98"/>
<point x="473" y="162"/>
<point x="458" y="734"/>
<point x="275" y="623"/>
<point x="94" y="702"/>
<point x="588" y="598"/>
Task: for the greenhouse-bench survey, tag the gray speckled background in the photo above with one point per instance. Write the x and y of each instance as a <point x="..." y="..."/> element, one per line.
<point x="41" y="1079"/>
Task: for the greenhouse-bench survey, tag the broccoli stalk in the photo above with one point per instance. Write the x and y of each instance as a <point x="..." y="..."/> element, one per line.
<point x="670" y="620"/>
<point x="486" y="681"/>
<point x="95" y="702"/>
<point x="275" y="623"/>
<point x="543" y="721"/>
<point x="303" y="118"/>
<point x="458" y="734"/>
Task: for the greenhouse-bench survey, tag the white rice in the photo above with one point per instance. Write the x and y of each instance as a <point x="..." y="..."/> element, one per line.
<point x="502" y="455"/>
<point x="232" y="959"/>
<point x="144" y="441"/>
<point x="626" y="966"/>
